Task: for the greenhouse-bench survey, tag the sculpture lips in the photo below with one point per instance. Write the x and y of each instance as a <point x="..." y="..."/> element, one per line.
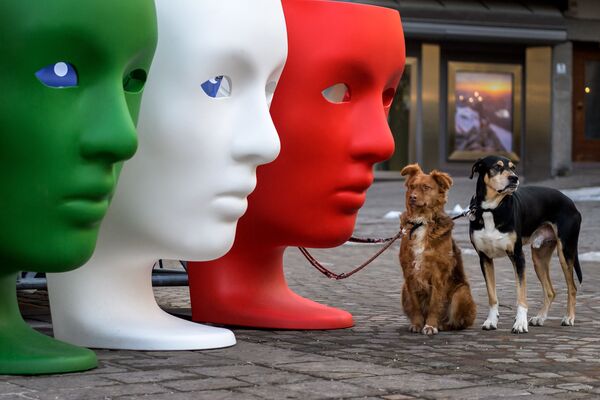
<point x="89" y="203"/>
<point x="351" y="197"/>
<point x="359" y="186"/>
<point x="232" y="203"/>
<point x="231" y="208"/>
<point x="86" y="210"/>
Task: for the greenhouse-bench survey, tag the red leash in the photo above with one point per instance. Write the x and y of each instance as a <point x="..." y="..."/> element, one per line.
<point x="332" y="275"/>
<point x="389" y="241"/>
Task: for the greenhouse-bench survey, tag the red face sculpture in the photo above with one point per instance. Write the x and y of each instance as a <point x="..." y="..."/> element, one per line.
<point x="330" y="109"/>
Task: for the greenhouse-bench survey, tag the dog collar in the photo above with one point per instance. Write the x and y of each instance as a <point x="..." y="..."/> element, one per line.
<point x="415" y="226"/>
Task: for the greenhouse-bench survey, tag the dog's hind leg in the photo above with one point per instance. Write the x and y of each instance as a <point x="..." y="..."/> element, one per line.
<point x="541" y="254"/>
<point x="566" y="262"/>
<point x="462" y="310"/>
<point x="487" y="268"/>
<point x="568" y="236"/>
<point x="518" y="260"/>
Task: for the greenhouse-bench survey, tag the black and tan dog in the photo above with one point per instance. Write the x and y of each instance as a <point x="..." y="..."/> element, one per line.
<point x="504" y="219"/>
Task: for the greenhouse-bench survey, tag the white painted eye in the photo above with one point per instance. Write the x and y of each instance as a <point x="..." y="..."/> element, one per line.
<point x="61" y="69"/>
<point x="337" y="94"/>
<point x="217" y="87"/>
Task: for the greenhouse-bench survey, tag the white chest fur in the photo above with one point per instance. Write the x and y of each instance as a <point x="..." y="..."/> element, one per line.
<point x="490" y="240"/>
<point x="418" y="246"/>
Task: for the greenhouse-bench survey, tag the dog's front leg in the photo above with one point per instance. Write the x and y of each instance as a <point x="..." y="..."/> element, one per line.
<point x="518" y="261"/>
<point x="412" y="309"/>
<point x="487" y="268"/>
<point x="435" y="309"/>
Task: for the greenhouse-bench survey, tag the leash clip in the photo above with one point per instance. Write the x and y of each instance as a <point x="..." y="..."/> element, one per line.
<point x="471" y="214"/>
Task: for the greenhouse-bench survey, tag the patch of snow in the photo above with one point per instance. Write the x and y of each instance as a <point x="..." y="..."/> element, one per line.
<point x="392" y="214"/>
<point x="456" y="210"/>
<point x="349" y="243"/>
<point x="469" y="252"/>
<point x="591" y="256"/>
<point x="583" y="194"/>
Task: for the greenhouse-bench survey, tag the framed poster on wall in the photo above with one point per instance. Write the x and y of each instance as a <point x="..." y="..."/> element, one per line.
<point x="484" y="110"/>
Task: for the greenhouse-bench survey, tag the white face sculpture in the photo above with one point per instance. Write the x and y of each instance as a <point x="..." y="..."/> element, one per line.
<point x="204" y="127"/>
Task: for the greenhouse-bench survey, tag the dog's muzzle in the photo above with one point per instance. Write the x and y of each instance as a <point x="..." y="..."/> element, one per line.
<point x="513" y="184"/>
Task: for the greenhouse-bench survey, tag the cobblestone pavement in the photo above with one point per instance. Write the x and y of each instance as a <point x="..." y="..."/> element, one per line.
<point x="378" y="358"/>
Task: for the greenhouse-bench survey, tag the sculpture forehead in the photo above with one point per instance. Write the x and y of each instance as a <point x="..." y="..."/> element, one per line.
<point x="117" y="27"/>
<point x="348" y="32"/>
<point x="211" y="34"/>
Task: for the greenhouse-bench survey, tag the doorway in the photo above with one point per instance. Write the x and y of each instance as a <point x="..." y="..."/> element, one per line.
<point x="586" y="103"/>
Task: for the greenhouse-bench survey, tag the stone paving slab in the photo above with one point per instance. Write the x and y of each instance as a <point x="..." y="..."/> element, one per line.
<point x="376" y="359"/>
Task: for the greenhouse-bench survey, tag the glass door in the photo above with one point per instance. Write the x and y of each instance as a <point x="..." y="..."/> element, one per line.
<point x="586" y="105"/>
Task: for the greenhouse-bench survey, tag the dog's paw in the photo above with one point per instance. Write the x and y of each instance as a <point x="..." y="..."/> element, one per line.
<point x="414" y="329"/>
<point x="568" y="321"/>
<point x="520" y="325"/>
<point x="490" y="325"/>
<point x="537" y="321"/>
<point x="430" y="330"/>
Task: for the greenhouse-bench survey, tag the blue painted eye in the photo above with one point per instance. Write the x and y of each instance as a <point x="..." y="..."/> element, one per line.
<point x="219" y="86"/>
<point x="59" y="75"/>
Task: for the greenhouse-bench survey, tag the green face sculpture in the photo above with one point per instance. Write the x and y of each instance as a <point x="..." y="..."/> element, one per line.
<point x="71" y="75"/>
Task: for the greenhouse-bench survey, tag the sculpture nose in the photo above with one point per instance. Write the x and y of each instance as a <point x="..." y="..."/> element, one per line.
<point x="255" y="141"/>
<point x="112" y="137"/>
<point x="372" y="140"/>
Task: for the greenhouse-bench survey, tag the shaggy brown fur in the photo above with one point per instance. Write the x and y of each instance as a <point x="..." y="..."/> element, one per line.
<point x="436" y="294"/>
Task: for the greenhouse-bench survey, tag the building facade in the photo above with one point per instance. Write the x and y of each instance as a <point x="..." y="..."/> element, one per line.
<point x="520" y="78"/>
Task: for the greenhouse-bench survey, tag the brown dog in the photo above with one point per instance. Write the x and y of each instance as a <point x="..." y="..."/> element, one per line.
<point x="436" y="294"/>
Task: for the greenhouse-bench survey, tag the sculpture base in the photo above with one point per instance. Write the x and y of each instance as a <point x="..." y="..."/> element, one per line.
<point x="282" y="310"/>
<point x="24" y="351"/>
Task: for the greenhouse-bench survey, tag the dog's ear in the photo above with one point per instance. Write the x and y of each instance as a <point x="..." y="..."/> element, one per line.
<point x="442" y="179"/>
<point x="476" y="167"/>
<point x="411" y="170"/>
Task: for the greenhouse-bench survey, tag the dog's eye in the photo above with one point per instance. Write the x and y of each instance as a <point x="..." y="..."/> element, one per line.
<point x="426" y="188"/>
<point x="497" y="167"/>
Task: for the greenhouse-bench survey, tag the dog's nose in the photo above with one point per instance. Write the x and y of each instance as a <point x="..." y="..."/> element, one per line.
<point x="513" y="179"/>
<point x="413" y="197"/>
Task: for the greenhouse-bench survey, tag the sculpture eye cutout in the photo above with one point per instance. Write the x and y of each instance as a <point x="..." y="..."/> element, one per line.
<point x="388" y="97"/>
<point x="217" y="87"/>
<point x="270" y="91"/>
<point x="58" y="75"/>
<point x="337" y="94"/>
<point x="134" y="81"/>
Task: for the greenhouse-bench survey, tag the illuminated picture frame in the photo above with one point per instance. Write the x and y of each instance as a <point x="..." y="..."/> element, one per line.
<point x="484" y="110"/>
